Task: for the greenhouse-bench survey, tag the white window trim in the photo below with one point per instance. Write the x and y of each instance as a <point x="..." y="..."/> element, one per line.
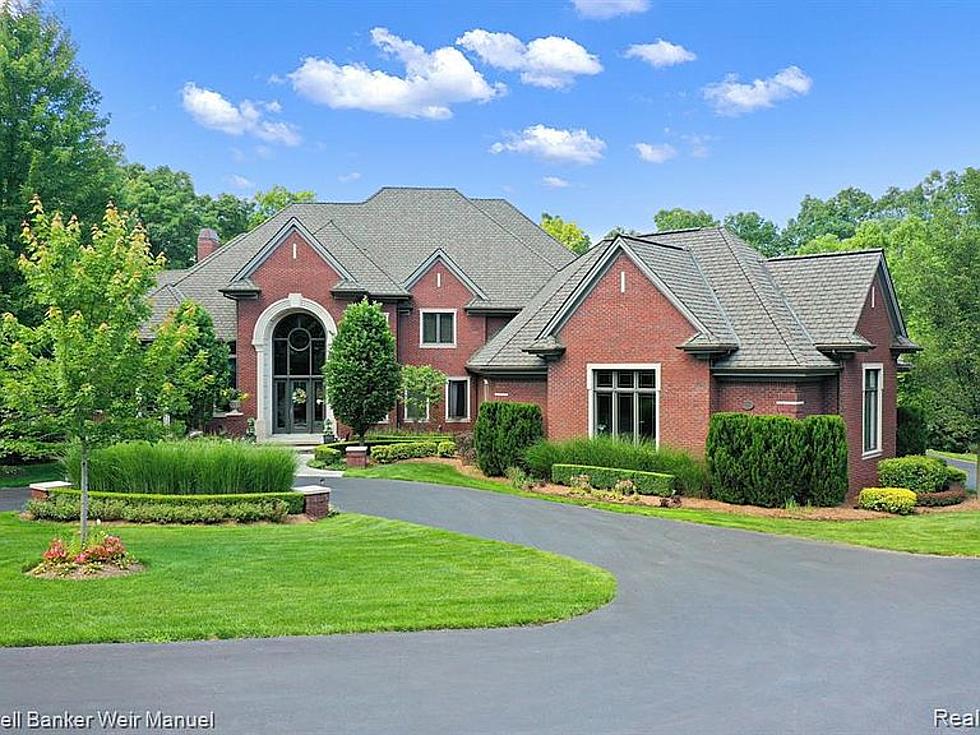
<point x="467" y="417"/>
<point x="436" y="345"/>
<point x="407" y="420"/>
<point x="876" y="452"/>
<point x="590" y="369"/>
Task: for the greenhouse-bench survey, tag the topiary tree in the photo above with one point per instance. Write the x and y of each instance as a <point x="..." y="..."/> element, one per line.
<point x="422" y="387"/>
<point x="194" y="363"/>
<point x="361" y="374"/>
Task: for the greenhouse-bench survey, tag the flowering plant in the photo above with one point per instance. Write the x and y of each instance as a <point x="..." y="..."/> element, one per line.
<point x="100" y="550"/>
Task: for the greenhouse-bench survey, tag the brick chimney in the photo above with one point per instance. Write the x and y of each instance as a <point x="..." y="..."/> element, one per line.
<point x="207" y="243"/>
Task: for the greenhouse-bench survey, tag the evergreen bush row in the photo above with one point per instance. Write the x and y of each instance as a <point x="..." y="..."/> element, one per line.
<point x="112" y="507"/>
<point x="503" y="432"/>
<point x="771" y="460"/>
<point x="295" y="502"/>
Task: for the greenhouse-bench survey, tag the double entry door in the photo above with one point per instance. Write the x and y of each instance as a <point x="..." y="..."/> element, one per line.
<point x="299" y="405"/>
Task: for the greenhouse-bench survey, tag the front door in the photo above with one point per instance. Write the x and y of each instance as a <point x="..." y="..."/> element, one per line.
<point x="299" y="349"/>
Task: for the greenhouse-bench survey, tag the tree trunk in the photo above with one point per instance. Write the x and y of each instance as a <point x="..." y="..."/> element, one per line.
<point x="84" y="489"/>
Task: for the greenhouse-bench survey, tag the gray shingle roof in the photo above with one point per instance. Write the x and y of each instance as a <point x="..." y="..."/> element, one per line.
<point x="828" y="291"/>
<point x="774" y="312"/>
<point x="383" y="240"/>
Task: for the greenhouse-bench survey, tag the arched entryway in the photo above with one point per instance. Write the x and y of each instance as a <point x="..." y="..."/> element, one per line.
<point x="299" y="347"/>
<point x="292" y="339"/>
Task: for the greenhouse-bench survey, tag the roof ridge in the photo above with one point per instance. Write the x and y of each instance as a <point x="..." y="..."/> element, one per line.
<point x="832" y="253"/>
<point x="758" y="296"/>
<point x="644" y="240"/>
<point x="714" y="294"/>
<point x="362" y="251"/>
<point x="187" y="272"/>
<point x="682" y="229"/>
<point x="513" y="234"/>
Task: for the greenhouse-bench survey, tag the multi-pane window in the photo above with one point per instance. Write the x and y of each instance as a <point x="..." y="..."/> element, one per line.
<point x="438" y="328"/>
<point x="458" y="399"/>
<point x="872" y="408"/>
<point x="624" y="404"/>
<point x="232" y="365"/>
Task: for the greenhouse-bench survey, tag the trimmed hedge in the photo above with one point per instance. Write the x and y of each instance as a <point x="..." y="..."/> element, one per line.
<point x="912" y="431"/>
<point x="385" y="453"/>
<point x="294" y="501"/>
<point x="606" y="451"/>
<point x="917" y="473"/>
<point x="114" y="507"/>
<point x="941" y="498"/>
<point x="327" y="454"/>
<point x="447" y="449"/>
<point x="771" y="460"/>
<point x="887" y="499"/>
<point x="954" y="475"/>
<point x="503" y="432"/>
<point x="605" y="478"/>
<point x="200" y="466"/>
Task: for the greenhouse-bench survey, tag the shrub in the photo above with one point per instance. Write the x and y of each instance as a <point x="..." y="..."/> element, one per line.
<point x="187" y="467"/>
<point x="464" y="447"/>
<point x="447" y="449"/>
<point x="294" y="501"/>
<point x="917" y="473"/>
<point x="912" y="431"/>
<point x="607" y="478"/>
<point x="519" y="478"/>
<point x="943" y="497"/>
<point x="385" y="453"/>
<point x="954" y="476"/>
<point x="772" y="460"/>
<point x="108" y="507"/>
<point x="887" y="499"/>
<point x="605" y="451"/>
<point x="326" y="454"/>
<point x="503" y="432"/>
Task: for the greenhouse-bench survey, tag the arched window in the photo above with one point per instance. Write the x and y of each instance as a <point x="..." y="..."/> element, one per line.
<point x="299" y="347"/>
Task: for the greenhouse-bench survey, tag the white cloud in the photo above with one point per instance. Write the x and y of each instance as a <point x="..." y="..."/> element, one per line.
<point x="554" y="182"/>
<point x="554" y="144"/>
<point x="212" y="110"/>
<point x="602" y="9"/>
<point x="661" y="53"/>
<point x="273" y="106"/>
<point x="553" y="61"/>
<point x="698" y="144"/>
<point x="347" y="178"/>
<point x="240" y="182"/>
<point x="731" y="97"/>
<point x="432" y="82"/>
<point x="655" y="153"/>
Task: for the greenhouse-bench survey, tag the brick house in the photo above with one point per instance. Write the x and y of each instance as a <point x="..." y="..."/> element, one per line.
<point x="641" y="337"/>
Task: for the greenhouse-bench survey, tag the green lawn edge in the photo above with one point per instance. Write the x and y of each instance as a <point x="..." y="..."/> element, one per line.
<point x="971" y="458"/>
<point x="349" y="573"/>
<point x="940" y="534"/>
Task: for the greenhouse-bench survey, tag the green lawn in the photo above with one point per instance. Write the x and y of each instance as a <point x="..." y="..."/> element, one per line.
<point x="947" y="534"/>
<point x="349" y="573"/>
<point x="28" y="473"/>
<point x="954" y="455"/>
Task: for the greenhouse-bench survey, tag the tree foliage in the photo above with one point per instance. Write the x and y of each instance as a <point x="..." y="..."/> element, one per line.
<point x="568" y="233"/>
<point x="422" y="387"/>
<point x="52" y="138"/>
<point x="267" y="203"/>
<point x="361" y="374"/>
<point x="83" y="368"/>
<point x="757" y="231"/>
<point x="193" y="364"/>
<point x="683" y="219"/>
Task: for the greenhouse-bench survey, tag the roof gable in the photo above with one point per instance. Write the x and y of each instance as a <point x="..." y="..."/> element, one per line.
<point x="440" y="256"/>
<point x="293" y="225"/>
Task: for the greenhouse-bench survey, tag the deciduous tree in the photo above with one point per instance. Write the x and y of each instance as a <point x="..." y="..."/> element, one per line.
<point x="568" y="234"/>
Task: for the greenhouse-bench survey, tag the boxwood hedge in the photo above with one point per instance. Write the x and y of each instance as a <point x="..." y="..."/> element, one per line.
<point x="915" y="472"/>
<point x="604" y="478"/>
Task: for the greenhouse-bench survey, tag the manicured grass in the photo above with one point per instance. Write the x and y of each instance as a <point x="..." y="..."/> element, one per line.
<point x="349" y="573"/>
<point x="28" y="473"/>
<point x="954" y="455"/>
<point x="947" y="534"/>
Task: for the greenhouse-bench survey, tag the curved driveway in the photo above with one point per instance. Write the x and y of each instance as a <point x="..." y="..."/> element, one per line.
<point x="712" y="631"/>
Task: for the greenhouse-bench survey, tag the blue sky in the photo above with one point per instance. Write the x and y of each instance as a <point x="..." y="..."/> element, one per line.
<point x="542" y="103"/>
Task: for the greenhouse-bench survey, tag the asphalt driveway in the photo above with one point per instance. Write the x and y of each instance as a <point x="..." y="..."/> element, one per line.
<point x="712" y="630"/>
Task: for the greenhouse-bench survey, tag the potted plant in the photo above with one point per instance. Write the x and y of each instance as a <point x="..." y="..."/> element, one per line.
<point x="328" y="434"/>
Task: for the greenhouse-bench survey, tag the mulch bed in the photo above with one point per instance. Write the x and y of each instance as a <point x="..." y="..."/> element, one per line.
<point x="839" y="513"/>
<point x="104" y="572"/>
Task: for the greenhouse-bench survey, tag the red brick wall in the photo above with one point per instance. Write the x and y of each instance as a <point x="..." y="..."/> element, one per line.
<point x="639" y="326"/>
<point x="788" y="398"/>
<point x="439" y="288"/>
<point x="875" y="326"/>
<point x="523" y="390"/>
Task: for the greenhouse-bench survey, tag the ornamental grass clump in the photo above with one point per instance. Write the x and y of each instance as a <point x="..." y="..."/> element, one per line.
<point x="190" y="467"/>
